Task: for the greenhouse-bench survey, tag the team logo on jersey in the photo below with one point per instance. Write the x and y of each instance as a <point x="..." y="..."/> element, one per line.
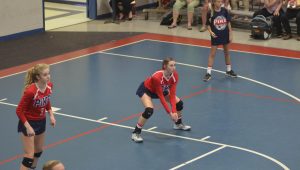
<point x="165" y="88"/>
<point x="220" y="23"/>
<point x="41" y="102"/>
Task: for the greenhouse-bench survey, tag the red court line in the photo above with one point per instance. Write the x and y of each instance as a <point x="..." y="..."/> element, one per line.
<point x="93" y="130"/>
<point x="196" y="93"/>
<point x="254" y="95"/>
<point x="191" y="41"/>
<point x="197" y="87"/>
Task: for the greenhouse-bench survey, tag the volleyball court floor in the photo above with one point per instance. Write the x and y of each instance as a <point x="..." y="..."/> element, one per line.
<point x="247" y="123"/>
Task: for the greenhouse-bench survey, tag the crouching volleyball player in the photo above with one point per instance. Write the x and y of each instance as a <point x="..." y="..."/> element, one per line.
<point x="162" y="85"/>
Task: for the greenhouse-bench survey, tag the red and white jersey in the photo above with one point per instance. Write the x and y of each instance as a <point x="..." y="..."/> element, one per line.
<point x="159" y="84"/>
<point x="34" y="103"/>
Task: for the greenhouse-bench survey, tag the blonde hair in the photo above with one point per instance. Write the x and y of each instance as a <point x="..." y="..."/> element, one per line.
<point x="212" y="10"/>
<point x="50" y="164"/>
<point x="33" y="72"/>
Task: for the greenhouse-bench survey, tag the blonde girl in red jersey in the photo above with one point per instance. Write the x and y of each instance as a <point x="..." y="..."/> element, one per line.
<point x="162" y="85"/>
<point x="31" y="113"/>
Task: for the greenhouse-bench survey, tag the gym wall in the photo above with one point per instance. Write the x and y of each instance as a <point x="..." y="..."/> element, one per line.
<point x="20" y="16"/>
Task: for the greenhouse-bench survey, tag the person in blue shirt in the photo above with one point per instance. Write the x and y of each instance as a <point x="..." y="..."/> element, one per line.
<point x="219" y="28"/>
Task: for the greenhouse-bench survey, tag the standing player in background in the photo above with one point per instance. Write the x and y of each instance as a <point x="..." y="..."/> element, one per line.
<point x="31" y="112"/>
<point x="219" y="28"/>
<point x="162" y="85"/>
<point x="207" y="7"/>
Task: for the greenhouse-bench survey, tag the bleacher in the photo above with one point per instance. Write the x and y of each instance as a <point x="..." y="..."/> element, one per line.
<point x="237" y="22"/>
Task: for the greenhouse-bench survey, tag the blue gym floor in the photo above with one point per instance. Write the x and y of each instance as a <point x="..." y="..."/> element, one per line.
<point x="248" y="123"/>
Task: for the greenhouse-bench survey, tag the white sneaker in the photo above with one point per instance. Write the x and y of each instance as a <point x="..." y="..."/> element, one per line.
<point x="136" y="137"/>
<point x="182" y="127"/>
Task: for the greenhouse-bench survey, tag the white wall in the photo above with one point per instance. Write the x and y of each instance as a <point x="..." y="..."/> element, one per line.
<point x="20" y="15"/>
<point x="104" y="8"/>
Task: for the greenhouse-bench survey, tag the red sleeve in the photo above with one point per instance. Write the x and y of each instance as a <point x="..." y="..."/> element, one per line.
<point x="25" y="101"/>
<point x="173" y="93"/>
<point x="159" y="93"/>
<point x="173" y="97"/>
<point x="48" y="107"/>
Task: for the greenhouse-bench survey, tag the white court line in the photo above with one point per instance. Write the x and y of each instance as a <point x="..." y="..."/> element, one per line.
<point x="104" y="118"/>
<point x="277" y="56"/>
<point x="197" y="158"/>
<point x="55" y="109"/>
<point x="195" y="66"/>
<point x="3" y="99"/>
<point x="152" y="128"/>
<point x="207" y="137"/>
<point x="8" y="104"/>
<point x="76" y="57"/>
<point x="175" y="136"/>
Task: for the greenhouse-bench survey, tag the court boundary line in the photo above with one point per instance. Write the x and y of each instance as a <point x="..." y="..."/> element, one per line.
<point x="152" y="128"/>
<point x="197" y="158"/>
<point x="201" y="67"/>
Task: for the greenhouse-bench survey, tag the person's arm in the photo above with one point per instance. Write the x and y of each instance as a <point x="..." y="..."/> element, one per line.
<point x="211" y="32"/>
<point x="208" y="18"/>
<point x="52" y="118"/>
<point x="159" y="93"/>
<point x="51" y="114"/>
<point x="173" y="97"/>
<point x="276" y="12"/>
<point x="228" y="17"/>
<point x="173" y="114"/>
<point x="25" y="102"/>
<point x="269" y="3"/>
<point x="49" y="109"/>
<point x="230" y="32"/>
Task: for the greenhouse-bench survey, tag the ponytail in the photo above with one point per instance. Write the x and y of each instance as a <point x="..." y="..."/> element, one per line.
<point x="32" y="73"/>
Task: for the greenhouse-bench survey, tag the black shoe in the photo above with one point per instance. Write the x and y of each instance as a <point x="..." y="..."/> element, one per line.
<point x="207" y="77"/>
<point x="231" y="73"/>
